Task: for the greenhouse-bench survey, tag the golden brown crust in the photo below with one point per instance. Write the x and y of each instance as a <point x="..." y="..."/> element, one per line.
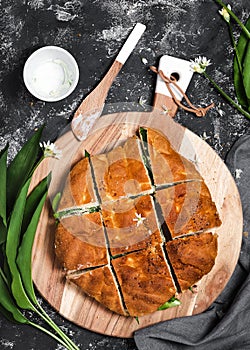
<point x="100" y="285"/>
<point x="132" y="228"/>
<point x="145" y="280"/>
<point x="188" y="208"/>
<point x="137" y="174"/>
<point x="168" y="166"/>
<point x="121" y="172"/>
<point x="126" y="231"/>
<point x="80" y="242"/>
<point x="192" y="257"/>
<point x="79" y="187"/>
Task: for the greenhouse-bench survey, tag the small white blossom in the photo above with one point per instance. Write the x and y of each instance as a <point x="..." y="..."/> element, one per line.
<point x="139" y="219"/>
<point x="200" y="64"/>
<point x="144" y="60"/>
<point x="238" y="173"/>
<point x="204" y="136"/>
<point x="165" y="109"/>
<point x="142" y="101"/>
<point x="224" y="13"/>
<point x="220" y="112"/>
<point x="50" y="150"/>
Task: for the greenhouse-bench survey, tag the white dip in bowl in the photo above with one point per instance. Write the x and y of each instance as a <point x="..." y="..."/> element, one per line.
<point x="51" y="73"/>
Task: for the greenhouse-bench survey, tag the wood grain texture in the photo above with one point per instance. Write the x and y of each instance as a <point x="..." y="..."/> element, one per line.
<point x="165" y="104"/>
<point x="93" y="104"/>
<point x="110" y="131"/>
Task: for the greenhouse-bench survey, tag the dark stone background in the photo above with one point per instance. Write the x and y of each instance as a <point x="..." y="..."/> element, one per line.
<point x="93" y="31"/>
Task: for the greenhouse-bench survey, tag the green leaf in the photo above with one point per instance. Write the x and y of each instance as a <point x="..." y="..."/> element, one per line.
<point x="7" y="314"/>
<point x="76" y="211"/>
<point x="143" y="133"/>
<point x="242" y="49"/>
<point x="170" y="303"/>
<point x="86" y="154"/>
<point x="33" y="200"/>
<point x="145" y="152"/>
<point x="191" y="289"/>
<point x="246" y="73"/>
<point x="5" y="267"/>
<point x="21" y="167"/>
<point x="25" y="252"/>
<point x="3" y="232"/>
<point x="12" y="244"/>
<point x="3" y="176"/>
<point x="56" y="201"/>
<point x="137" y="319"/>
<point x="8" y="306"/>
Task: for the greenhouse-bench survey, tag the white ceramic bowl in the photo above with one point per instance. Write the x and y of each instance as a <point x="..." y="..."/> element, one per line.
<point x="51" y="73"/>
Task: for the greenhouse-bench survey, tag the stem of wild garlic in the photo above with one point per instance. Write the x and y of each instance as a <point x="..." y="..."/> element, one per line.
<point x="50" y="334"/>
<point x="228" y="98"/>
<point x="52" y="324"/>
<point x="237" y="20"/>
<point x="235" y="49"/>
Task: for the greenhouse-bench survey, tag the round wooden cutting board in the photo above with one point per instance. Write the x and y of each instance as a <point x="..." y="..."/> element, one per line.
<point x="110" y="131"/>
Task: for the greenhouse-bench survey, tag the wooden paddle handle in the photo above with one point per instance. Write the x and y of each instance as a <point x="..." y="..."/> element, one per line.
<point x="98" y="98"/>
<point x="91" y="107"/>
<point x="181" y="70"/>
<point x="126" y="50"/>
<point x="130" y="43"/>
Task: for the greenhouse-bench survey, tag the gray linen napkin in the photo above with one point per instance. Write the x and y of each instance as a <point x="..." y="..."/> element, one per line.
<point x="226" y="324"/>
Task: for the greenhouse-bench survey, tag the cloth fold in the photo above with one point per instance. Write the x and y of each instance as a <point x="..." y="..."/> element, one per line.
<point x="226" y="323"/>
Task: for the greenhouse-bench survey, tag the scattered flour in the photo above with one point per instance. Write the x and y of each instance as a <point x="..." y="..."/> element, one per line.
<point x="6" y="344"/>
<point x="68" y="12"/>
<point x="36" y="4"/>
<point x="114" y="33"/>
<point x="238" y="173"/>
<point x="106" y="344"/>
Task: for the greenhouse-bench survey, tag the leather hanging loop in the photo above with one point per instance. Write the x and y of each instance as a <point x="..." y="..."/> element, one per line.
<point x="198" y="111"/>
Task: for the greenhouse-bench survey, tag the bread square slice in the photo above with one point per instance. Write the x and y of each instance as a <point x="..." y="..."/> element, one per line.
<point x="121" y="172"/>
<point x="187" y="208"/>
<point x="144" y="279"/>
<point x="101" y="285"/>
<point x="192" y="257"/>
<point x="79" y="187"/>
<point x="130" y="224"/>
<point x="167" y="165"/>
<point x="80" y="242"/>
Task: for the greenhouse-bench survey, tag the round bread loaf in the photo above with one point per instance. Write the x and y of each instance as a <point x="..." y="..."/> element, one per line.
<point x="134" y="225"/>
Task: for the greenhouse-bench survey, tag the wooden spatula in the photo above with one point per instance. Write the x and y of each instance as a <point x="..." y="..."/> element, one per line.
<point x="92" y="106"/>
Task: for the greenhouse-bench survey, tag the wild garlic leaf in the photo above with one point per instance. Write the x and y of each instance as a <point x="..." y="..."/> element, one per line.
<point x="170" y="303"/>
<point x="3" y="232"/>
<point x="3" y="176"/>
<point x="8" y="315"/>
<point x="12" y="244"/>
<point x="143" y="133"/>
<point x="86" y="154"/>
<point x="246" y="73"/>
<point x="137" y="319"/>
<point x="24" y="256"/>
<point x="33" y="200"/>
<point x="6" y="268"/>
<point x="242" y="48"/>
<point x="8" y="306"/>
<point x="21" y="167"/>
<point x="16" y="286"/>
<point x="56" y="201"/>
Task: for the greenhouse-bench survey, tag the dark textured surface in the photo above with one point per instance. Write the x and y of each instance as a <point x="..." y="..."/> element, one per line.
<point x="93" y="31"/>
